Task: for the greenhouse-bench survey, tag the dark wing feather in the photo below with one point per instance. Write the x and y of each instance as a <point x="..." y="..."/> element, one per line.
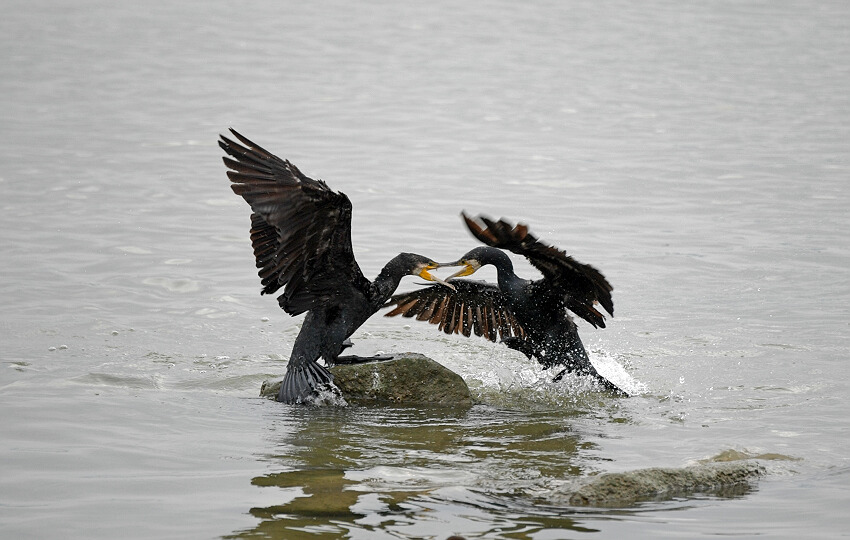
<point x="300" y="228"/>
<point x="473" y="307"/>
<point x="582" y="285"/>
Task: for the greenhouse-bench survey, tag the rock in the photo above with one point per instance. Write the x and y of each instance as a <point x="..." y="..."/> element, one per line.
<point x="269" y="389"/>
<point x="408" y="379"/>
<point x="624" y="489"/>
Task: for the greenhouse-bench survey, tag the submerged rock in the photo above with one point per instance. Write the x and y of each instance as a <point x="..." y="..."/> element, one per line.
<point x="407" y="379"/>
<point x="624" y="489"/>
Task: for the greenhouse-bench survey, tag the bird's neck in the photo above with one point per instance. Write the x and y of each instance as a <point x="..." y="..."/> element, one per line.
<point x="504" y="270"/>
<point x="386" y="283"/>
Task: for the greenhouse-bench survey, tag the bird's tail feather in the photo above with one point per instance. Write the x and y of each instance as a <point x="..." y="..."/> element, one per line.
<point x="309" y="383"/>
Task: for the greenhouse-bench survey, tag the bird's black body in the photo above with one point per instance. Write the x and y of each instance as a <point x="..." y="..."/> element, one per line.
<point x="301" y="234"/>
<point x="530" y="316"/>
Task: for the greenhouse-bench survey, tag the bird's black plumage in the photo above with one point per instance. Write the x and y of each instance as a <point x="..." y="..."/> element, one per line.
<point x="301" y="235"/>
<point x="531" y="316"/>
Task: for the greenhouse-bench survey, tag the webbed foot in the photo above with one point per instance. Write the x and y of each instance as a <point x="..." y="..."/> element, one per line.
<point x="354" y="359"/>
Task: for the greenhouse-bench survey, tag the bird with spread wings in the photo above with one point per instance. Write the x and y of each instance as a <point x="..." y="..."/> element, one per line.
<point x="531" y="316"/>
<point x="301" y="235"/>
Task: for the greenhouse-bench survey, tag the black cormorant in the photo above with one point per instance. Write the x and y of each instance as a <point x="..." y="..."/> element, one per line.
<point x="301" y="234"/>
<point x="530" y="316"/>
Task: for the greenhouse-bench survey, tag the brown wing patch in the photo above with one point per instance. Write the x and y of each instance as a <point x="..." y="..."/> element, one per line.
<point x="474" y="307"/>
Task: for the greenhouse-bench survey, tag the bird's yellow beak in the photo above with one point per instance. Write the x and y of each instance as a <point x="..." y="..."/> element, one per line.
<point x="468" y="269"/>
<point x="424" y="274"/>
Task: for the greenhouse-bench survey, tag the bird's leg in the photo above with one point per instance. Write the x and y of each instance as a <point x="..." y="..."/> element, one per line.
<point x="611" y="387"/>
<point x="560" y="375"/>
<point x="606" y="384"/>
<point x="354" y="359"/>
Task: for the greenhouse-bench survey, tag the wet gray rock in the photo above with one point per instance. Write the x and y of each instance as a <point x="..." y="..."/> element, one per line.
<point x="408" y="379"/>
<point x="624" y="489"/>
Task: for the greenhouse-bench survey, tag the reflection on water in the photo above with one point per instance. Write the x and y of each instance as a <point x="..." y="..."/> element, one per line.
<point x="360" y="468"/>
<point x="361" y="471"/>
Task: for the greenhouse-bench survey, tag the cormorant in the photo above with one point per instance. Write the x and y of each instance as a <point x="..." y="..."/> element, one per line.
<point x="301" y="235"/>
<point x="530" y="316"/>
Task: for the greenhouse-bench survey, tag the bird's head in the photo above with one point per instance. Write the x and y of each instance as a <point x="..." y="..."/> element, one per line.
<point x="471" y="262"/>
<point x="421" y="266"/>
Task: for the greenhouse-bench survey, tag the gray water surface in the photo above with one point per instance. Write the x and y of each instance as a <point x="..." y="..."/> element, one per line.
<point x="696" y="153"/>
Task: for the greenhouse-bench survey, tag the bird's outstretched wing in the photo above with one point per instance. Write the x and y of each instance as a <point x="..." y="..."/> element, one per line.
<point x="472" y="307"/>
<point x="300" y="228"/>
<point x="582" y="285"/>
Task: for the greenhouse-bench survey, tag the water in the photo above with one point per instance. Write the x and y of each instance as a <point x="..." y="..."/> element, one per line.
<point x="696" y="153"/>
